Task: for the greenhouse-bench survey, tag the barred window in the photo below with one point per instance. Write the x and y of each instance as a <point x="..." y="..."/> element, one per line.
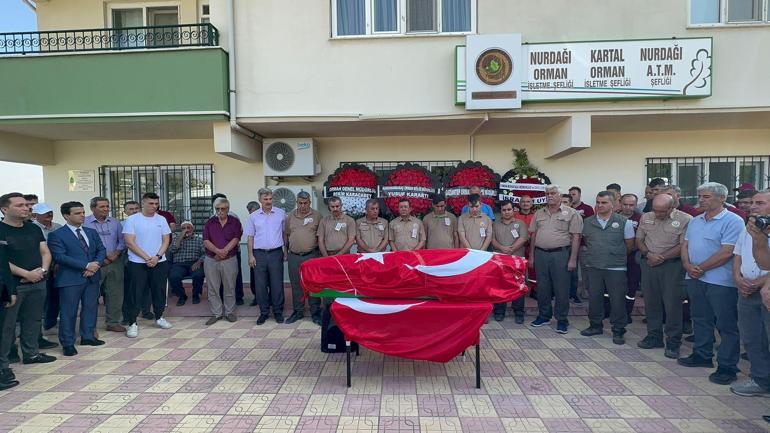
<point x="185" y="190"/>
<point x="439" y="168"/>
<point x="691" y="171"/>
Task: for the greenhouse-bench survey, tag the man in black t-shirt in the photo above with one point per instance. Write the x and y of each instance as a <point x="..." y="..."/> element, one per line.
<point x="29" y="259"/>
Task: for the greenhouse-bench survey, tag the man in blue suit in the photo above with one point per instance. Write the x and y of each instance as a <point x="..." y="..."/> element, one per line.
<point x="79" y="252"/>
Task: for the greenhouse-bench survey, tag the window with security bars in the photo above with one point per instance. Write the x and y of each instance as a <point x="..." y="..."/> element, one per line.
<point x="185" y="190"/>
<point x="731" y="171"/>
<point x="439" y="168"/>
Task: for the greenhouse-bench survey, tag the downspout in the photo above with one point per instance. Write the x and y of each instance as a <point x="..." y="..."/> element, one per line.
<point x="232" y="77"/>
<point x="472" y="136"/>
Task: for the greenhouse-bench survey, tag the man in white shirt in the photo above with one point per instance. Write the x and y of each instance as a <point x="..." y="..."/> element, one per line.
<point x="753" y="317"/>
<point x="147" y="237"/>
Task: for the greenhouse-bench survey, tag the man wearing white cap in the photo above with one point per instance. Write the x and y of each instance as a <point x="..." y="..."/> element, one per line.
<point x="187" y="254"/>
<point x="42" y="216"/>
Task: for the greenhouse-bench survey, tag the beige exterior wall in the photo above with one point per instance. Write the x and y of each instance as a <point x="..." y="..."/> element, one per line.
<point x="289" y="66"/>
<point x="93" y="14"/>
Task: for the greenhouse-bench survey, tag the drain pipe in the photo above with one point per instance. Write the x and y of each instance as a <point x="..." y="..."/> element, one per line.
<point x="231" y="63"/>
<point x="472" y="135"/>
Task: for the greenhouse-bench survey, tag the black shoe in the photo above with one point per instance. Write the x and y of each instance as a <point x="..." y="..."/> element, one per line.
<point x="592" y="330"/>
<point x="8" y="384"/>
<point x="745" y="356"/>
<point x="690" y="338"/>
<point x="92" y="342"/>
<point x="40" y="358"/>
<point x="649" y="342"/>
<point x="182" y="300"/>
<point x="149" y="316"/>
<point x="618" y="338"/>
<point x="499" y="317"/>
<point x="69" y="351"/>
<point x="6" y="375"/>
<point x="576" y="300"/>
<point x="519" y="320"/>
<point x="262" y="319"/>
<point x="196" y="299"/>
<point x="294" y="317"/>
<point x="766" y="418"/>
<point x="278" y="318"/>
<point x="695" y="361"/>
<point x="687" y="328"/>
<point x="42" y="343"/>
<point x="240" y="302"/>
<point x="671" y="352"/>
<point x="722" y="376"/>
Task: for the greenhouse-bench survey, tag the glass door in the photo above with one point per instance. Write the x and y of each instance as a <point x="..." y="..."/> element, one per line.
<point x="164" y="21"/>
<point x="126" y="19"/>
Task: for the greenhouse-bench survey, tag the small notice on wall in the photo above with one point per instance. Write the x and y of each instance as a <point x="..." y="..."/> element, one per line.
<point x="81" y="180"/>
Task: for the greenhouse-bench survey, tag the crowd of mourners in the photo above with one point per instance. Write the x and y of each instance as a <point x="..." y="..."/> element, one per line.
<point x="701" y="268"/>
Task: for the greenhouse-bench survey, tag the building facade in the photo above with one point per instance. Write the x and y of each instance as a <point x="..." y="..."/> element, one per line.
<point x="146" y="102"/>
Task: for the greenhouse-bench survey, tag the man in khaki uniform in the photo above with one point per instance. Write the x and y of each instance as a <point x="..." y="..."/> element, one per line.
<point x="659" y="239"/>
<point x="440" y="226"/>
<point x="555" y="232"/>
<point x="300" y="234"/>
<point x="474" y="228"/>
<point x="510" y="237"/>
<point x="337" y="231"/>
<point x="406" y="231"/>
<point x="371" y="230"/>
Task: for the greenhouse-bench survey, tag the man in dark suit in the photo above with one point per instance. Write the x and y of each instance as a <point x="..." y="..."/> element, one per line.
<point x="7" y="299"/>
<point x="80" y="253"/>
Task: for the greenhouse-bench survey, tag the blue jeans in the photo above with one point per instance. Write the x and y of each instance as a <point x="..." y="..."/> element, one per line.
<point x="180" y="271"/>
<point x="85" y="296"/>
<point x="712" y="304"/>
<point x="753" y="318"/>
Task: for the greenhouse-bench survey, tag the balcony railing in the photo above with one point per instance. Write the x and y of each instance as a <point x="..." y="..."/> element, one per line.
<point x="126" y="38"/>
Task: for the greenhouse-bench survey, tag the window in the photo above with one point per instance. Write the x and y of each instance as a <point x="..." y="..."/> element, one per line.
<point x="184" y="190"/>
<point x="715" y="12"/>
<point x="356" y="18"/>
<point x="205" y="14"/>
<point x="127" y="20"/>
<point x="690" y="172"/>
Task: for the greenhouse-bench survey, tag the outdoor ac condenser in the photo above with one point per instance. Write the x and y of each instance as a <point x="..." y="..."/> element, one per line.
<point x="288" y="157"/>
<point x="285" y="196"/>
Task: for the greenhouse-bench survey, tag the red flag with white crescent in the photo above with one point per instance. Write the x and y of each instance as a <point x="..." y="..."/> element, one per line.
<point x="414" y="329"/>
<point x="457" y="275"/>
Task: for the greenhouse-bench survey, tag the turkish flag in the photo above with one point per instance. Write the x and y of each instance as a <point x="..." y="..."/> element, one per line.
<point x="456" y="275"/>
<point x="423" y="330"/>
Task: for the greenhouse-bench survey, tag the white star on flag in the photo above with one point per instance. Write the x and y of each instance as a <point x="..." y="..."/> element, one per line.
<point x="379" y="257"/>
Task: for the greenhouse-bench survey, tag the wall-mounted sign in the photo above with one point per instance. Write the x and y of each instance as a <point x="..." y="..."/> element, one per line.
<point x="81" y="180"/>
<point x="493" y="71"/>
<point x="635" y="69"/>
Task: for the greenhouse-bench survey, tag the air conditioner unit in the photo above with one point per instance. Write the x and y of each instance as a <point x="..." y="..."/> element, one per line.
<point x="285" y="157"/>
<point x="285" y="196"/>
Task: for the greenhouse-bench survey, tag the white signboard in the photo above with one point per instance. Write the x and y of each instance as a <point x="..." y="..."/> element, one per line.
<point x="493" y="71"/>
<point x="648" y="69"/>
<point x="81" y="180"/>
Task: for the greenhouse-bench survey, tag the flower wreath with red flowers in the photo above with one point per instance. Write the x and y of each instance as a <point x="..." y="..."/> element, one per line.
<point x="459" y="180"/>
<point x="412" y="182"/>
<point x="354" y="184"/>
<point x="523" y="179"/>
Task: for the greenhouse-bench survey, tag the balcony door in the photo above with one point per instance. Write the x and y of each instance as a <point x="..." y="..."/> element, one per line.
<point x="144" y="26"/>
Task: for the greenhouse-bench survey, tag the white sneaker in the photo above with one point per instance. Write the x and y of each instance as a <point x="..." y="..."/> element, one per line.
<point x="163" y="323"/>
<point x="132" y="331"/>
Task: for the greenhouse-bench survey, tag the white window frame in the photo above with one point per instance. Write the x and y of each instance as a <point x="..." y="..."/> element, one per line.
<point x="723" y="16"/>
<point x="143" y="6"/>
<point x="402" y="27"/>
<point x="205" y="16"/>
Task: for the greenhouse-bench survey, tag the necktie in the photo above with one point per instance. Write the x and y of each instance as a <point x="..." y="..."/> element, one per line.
<point x="82" y="240"/>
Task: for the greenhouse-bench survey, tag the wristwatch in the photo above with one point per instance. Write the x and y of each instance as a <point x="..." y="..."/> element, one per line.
<point x="158" y="256"/>
<point x="45" y="271"/>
